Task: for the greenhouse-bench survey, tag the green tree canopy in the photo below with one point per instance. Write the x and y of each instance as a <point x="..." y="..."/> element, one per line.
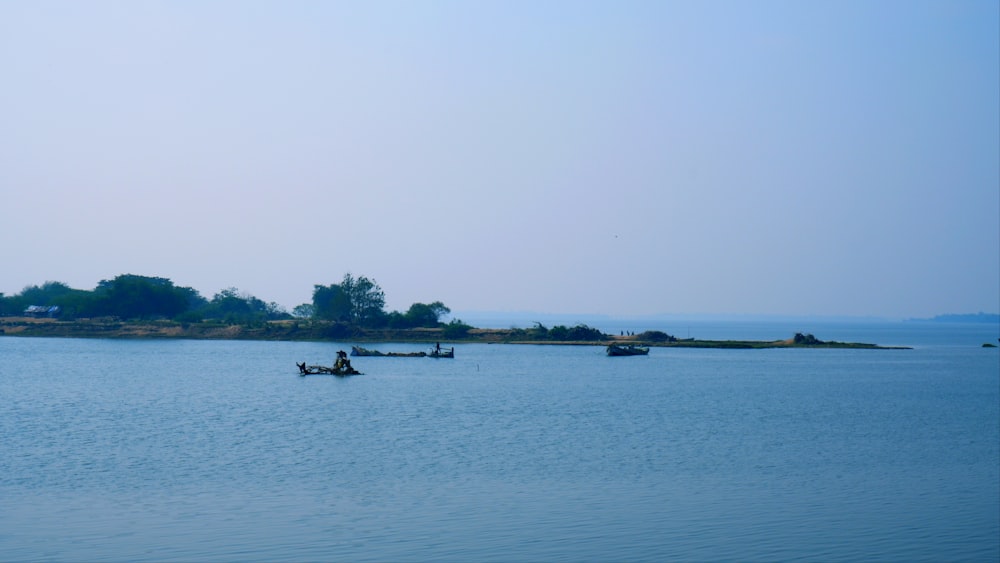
<point x="359" y="301"/>
<point x="233" y="306"/>
<point x="46" y="294"/>
<point x="131" y="297"/>
<point x="331" y="303"/>
<point x="304" y="311"/>
<point x="426" y="315"/>
<point x="367" y="300"/>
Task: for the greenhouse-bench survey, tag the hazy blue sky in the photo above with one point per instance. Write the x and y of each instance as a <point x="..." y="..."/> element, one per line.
<point x="801" y="157"/>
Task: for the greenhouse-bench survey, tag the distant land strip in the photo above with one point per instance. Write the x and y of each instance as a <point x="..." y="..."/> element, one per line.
<point x="319" y="331"/>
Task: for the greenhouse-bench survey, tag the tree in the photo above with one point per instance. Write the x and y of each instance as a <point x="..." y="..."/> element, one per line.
<point x="10" y="305"/>
<point x="130" y="296"/>
<point x="806" y="339"/>
<point x="440" y="310"/>
<point x="46" y="294"/>
<point x="582" y="332"/>
<point x="304" y="311"/>
<point x="539" y="331"/>
<point x="331" y="303"/>
<point x="367" y="300"/>
<point x="558" y="332"/>
<point x="423" y="315"/>
<point x="456" y="329"/>
<point x="396" y="319"/>
<point x="275" y="311"/>
<point x="193" y="298"/>
<point x="657" y="336"/>
<point x="359" y="301"/>
<point x="234" y="306"/>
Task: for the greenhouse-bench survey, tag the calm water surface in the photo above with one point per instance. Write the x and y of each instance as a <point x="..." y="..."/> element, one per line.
<point x="193" y="450"/>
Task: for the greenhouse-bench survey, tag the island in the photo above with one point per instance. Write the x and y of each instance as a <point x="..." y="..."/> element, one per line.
<point x="136" y="306"/>
<point x="311" y="330"/>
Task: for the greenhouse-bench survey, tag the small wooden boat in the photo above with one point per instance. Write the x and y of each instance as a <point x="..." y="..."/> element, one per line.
<point x="341" y="371"/>
<point x="627" y="350"/>
<point x="342" y="367"/>
<point x="438" y="352"/>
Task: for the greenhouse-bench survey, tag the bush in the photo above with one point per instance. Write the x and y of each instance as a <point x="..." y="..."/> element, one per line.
<point x="806" y="339"/>
<point x="558" y="333"/>
<point x="657" y="336"/>
<point x="585" y="333"/>
<point x="456" y="329"/>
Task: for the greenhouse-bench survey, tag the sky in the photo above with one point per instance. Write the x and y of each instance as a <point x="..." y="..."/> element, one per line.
<point x="830" y="157"/>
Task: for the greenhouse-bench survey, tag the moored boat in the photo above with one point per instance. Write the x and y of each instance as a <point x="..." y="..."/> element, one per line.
<point x="342" y="367"/>
<point x="341" y="371"/>
<point x="627" y="350"/>
<point x="438" y="352"/>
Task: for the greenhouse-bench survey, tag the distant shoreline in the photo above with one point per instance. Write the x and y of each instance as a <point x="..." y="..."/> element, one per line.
<point x="317" y="331"/>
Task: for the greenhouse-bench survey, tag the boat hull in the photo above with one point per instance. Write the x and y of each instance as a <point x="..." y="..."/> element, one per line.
<point x="630" y="350"/>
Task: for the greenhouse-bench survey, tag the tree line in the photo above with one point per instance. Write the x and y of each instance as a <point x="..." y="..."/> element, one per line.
<point x="355" y="301"/>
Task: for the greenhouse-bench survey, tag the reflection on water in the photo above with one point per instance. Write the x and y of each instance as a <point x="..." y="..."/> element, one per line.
<point x="184" y="450"/>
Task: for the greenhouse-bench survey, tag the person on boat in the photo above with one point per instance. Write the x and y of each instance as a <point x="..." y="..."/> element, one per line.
<point x="437" y="347"/>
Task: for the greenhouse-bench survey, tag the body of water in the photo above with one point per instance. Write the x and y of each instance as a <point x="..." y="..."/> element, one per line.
<point x="116" y="450"/>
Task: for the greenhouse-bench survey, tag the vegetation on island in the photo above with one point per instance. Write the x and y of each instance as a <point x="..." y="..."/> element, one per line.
<point x="355" y="302"/>
<point x="134" y="306"/>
